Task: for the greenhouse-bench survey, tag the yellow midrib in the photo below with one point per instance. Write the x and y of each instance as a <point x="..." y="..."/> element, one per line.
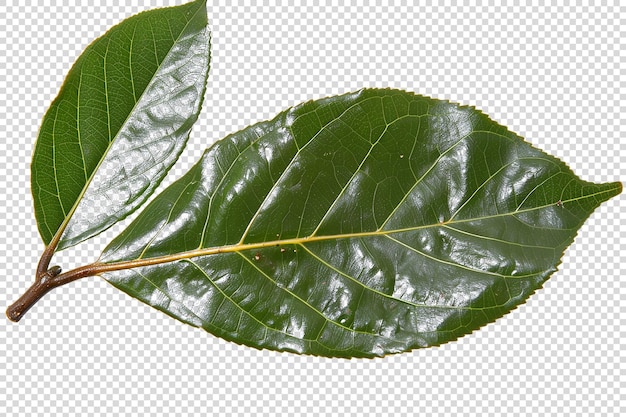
<point x="240" y="247"/>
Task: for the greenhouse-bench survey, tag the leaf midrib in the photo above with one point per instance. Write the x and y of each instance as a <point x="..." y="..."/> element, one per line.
<point x="301" y="241"/>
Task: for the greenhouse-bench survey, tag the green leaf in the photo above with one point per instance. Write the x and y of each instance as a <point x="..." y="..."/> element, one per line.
<point x="360" y="225"/>
<point x="120" y="121"/>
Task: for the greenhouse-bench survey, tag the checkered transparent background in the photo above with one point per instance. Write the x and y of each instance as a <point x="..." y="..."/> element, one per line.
<point x="555" y="74"/>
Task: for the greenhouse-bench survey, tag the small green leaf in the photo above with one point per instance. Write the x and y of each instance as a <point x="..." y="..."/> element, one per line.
<point x="360" y="225"/>
<point x="120" y="121"/>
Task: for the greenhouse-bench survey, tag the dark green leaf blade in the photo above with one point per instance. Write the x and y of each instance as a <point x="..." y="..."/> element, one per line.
<point x="355" y="226"/>
<point x="119" y="122"/>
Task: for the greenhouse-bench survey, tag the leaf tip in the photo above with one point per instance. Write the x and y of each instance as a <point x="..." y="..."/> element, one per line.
<point x="611" y="189"/>
<point x="615" y="186"/>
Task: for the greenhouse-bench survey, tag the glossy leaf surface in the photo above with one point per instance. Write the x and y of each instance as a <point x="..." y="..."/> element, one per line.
<point x="355" y="226"/>
<point x="120" y="121"/>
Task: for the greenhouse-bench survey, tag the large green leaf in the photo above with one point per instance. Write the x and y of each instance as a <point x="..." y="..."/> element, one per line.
<point x="359" y="225"/>
<point x="120" y="121"/>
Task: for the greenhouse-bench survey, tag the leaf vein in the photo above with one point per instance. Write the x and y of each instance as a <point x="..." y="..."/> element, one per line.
<point x="382" y="294"/>
<point x="456" y="265"/>
<point x="227" y="297"/>
<point x="419" y="180"/>
<point x="293" y="159"/>
<point x="306" y="303"/>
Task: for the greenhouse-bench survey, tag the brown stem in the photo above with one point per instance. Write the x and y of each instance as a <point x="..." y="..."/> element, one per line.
<point x="45" y="280"/>
<point x="42" y="285"/>
<point x="53" y="278"/>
